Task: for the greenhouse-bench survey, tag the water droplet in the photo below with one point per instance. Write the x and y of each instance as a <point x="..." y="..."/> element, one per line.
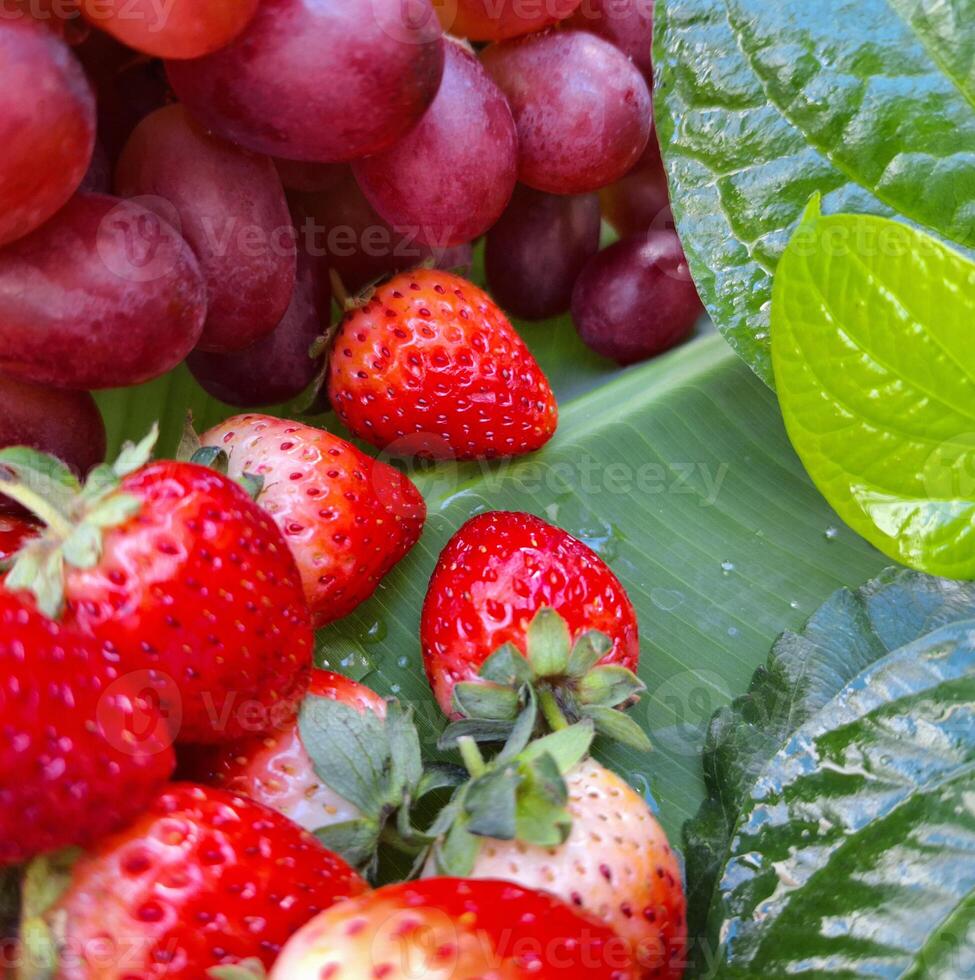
<point x="604" y="538"/>
<point x="831" y="533"/>
<point x="666" y="599"/>
<point x="727" y="567"/>
<point x="732" y="631"/>
<point x="794" y="604"/>
<point x="374" y="633"/>
<point x="403" y="662"/>
<point x="395" y="688"/>
<point x="552" y="512"/>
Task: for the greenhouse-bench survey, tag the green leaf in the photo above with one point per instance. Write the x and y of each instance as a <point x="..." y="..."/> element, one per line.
<point x="406" y="760"/>
<point x="114" y="510"/>
<point x="669" y="470"/>
<point x="541" y="815"/>
<point x="349" y="750"/>
<point x="480" y="729"/>
<point x="854" y="847"/>
<point x="490" y="803"/>
<point x="83" y="547"/>
<point x="872" y="326"/>
<point x="135" y="455"/>
<point x="482" y="699"/>
<point x="508" y="666"/>
<point x="609" y="686"/>
<point x="760" y="103"/>
<point x="252" y="969"/>
<point x="613" y="724"/>
<point x="549" y="644"/>
<point x="587" y="651"/>
<point x="567" y="747"/>
<point x="213" y="458"/>
<point x="804" y="672"/>
<point x="355" y="840"/>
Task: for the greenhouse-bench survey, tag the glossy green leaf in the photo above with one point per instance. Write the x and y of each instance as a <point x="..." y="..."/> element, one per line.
<point x="680" y="475"/>
<point x="761" y="103"/>
<point x="854" y="854"/>
<point x="873" y="346"/>
<point x="804" y="671"/>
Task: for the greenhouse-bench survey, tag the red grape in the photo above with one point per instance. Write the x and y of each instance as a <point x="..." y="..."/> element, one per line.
<point x="98" y="179"/>
<point x="66" y="424"/>
<point x="640" y="200"/>
<point x="627" y="24"/>
<point x="106" y="294"/>
<point x="582" y="109"/>
<point x="47" y="126"/>
<point x="277" y="368"/>
<point x="310" y="178"/>
<point x="450" y="176"/>
<point x="341" y="226"/>
<point x="494" y="20"/>
<point x="537" y="250"/>
<point x="175" y="29"/>
<point x="232" y="211"/>
<point x="324" y="80"/>
<point x="636" y="298"/>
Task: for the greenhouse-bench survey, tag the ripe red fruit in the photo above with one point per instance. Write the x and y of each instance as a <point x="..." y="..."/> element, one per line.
<point x="450" y="927"/>
<point x="492" y="20"/>
<point x="276" y="770"/>
<point x="495" y="574"/>
<point x="631" y="879"/>
<point x="203" y="879"/>
<point x="348" y="519"/>
<point x="175" y="571"/>
<point x="430" y="365"/>
<point x="83" y="748"/>
<point x="14" y="533"/>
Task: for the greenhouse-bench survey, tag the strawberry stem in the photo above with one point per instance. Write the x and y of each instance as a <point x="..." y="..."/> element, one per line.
<point x="471" y="754"/>
<point x="39" y="507"/>
<point x="551" y="710"/>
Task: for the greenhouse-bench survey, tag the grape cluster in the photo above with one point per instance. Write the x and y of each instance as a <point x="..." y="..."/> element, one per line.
<point x="184" y="181"/>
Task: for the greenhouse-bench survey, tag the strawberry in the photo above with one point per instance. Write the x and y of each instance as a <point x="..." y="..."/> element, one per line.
<point x="453" y="928"/>
<point x="14" y="533"/>
<point x="616" y="864"/>
<point x="203" y="879"/>
<point x="173" y="570"/>
<point x="276" y="770"/>
<point x="348" y="519"/>
<point x="430" y="366"/>
<point x="82" y="750"/>
<point x="497" y="572"/>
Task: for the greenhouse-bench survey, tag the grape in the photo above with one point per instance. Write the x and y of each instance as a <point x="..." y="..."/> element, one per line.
<point x="66" y="424"/>
<point x="231" y="209"/>
<point x="125" y="98"/>
<point x="537" y="250"/>
<point x="636" y="298"/>
<point x="47" y="126"/>
<point x="582" y="109"/>
<point x="451" y="176"/>
<point x="98" y="179"/>
<point x="627" y="24"/>
<point x="277" y="368"/>
<point x="106" y="294"/>
<point x="176" y="29"/>
<point x="494" y="20"/>
<point x="341" y="226"/>
<point x="640" y="200"/>
<point x="324" y="80"/>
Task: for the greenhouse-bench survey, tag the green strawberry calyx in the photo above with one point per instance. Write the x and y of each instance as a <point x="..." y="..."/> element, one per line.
<point x="566" y="679"/>
<point x="76" y="515"/>
<point x="192" y="450"/>
<point x="41" y="935"/>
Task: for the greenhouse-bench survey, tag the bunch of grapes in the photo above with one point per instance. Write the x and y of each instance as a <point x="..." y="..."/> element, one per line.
<point x="186" y="181"/>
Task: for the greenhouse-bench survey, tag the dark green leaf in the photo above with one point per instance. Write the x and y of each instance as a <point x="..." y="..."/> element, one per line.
<point x="613" y="723"/>
<point x="587" y="651"/>
<point x="490" y="803"/>
<point x="521" y="732"/>
<point x="406" y="760"/>
<point x="213" y="458"/>
<point x="440" y="775"/>
<point x="508" y="666"/>
<point x="855" y="846"/>
<point x="804" y="672"/>
<point x="760" y="103"/>
<point x="483" y="699"/>
<point x="479" y="729"/>
<point x="609" y="686"/>
<point x="548" y="644"/>
<point x="567" y="747"/>
<point x="349" y="751"/>
<point x="541" y="815"/>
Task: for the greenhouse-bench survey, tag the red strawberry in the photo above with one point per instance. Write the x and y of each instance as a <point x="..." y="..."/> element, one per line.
<point x="82" y="750"/>
<point x="173" y="569"/>
<point x="453" y="928"/>
<point x="495" y="574"/>
<point x="348" y="519"/>
<point x="276" y="770"/>
<point x="431" y="366"/>
<point x="203" y="879"/>
<point x="616" y="864"/>
<point x="14" y="533"/>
